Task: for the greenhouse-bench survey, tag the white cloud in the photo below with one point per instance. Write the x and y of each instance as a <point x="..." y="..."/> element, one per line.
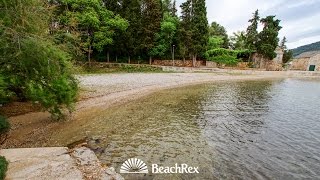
<point x="299" y="18"/>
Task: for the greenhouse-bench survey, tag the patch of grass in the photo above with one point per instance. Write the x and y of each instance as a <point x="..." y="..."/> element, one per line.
<point x="3" y="167"/>
<point x="121" y="68"/>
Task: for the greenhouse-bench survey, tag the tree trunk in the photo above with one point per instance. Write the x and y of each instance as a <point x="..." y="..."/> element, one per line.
<point x="150" y="60"/>
<point x="116" y="59"/>
<point x="194" y="60"/>
<point x="108" y="57"/>
<point x="129" y="60"/>
<point x="89" y="55"/>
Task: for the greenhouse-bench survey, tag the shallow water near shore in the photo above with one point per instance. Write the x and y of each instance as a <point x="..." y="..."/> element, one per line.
<point x="230" y="130"/>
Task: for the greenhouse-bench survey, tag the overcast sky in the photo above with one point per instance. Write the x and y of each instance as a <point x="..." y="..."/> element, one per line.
<point x="300" y="19"/>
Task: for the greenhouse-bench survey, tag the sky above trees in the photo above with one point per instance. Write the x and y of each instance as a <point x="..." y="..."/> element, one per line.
<point x="299" y="18"/>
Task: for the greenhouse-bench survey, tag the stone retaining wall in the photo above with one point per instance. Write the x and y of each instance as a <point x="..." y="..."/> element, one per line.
<point x="178" y="63"/>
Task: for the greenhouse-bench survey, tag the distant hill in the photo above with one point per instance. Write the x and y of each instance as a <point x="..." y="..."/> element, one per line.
<point x="306" y="48"/>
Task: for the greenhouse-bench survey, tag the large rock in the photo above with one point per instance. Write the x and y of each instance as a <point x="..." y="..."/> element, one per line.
<point x="56" y="163"/>
<point x="90" y="165"/>
<point x="40" y="163"/>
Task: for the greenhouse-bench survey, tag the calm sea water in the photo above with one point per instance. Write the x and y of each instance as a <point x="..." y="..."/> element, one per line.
<point x="230" y="130"/>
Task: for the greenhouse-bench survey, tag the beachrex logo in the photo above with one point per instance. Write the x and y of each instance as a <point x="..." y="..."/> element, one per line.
<point x="136" y="166"/>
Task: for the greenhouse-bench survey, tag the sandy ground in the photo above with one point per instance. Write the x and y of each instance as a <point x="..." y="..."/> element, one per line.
<point x="106" y="90"/>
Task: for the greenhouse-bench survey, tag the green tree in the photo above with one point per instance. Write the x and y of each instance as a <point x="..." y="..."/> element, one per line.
<point x="238" y="40"/>
<point x="185" y="31"/>
<point x="33" y="66"/>
<point x="215" y="42"/>
<point x="174" y="8"/>
<point x="287" y="55"/>
<point x="96" y="24"/>
<point x="166" y="36"/>
<point x="252" y="32"/>
<point x="268" y="37"/>
<point x="200" y="33"/>
<point x="151" y="24"/>
<point x="217" y="30"/>
<point x="132" y="38"/>
<point x="283" y="43"/>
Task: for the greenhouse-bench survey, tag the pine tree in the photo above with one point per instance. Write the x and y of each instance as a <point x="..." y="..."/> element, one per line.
<point x="166" y="6"/>
<point x="174" y="8"/>
<point x="200" y="34"/>
<point x="132" y="38"/>
<point x="268" y="37"/>
<point x="283" y="43"/>
<point x="151" y="21"/>
<point x="185" y="31"/>
<point x="252" y="32"/>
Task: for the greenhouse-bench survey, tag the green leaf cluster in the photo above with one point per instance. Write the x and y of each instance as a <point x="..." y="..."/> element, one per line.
<point x="34" y="68"/>
<point x="4" y="125"/>
<point x="3" y="167"/>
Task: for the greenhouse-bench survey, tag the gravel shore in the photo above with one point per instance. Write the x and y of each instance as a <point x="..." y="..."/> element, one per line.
<point x="104" y="89"/>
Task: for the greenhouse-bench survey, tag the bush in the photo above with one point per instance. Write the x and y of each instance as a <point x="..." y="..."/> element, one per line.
<point x="4" y="94"/>
<point x="33" y="67"/>
<point x="43" y="73"/>
<point x="225" y="59"/>
<point x="4" y="125"/>
<point x="227" y="56"/>
<point x="3" y="167"/>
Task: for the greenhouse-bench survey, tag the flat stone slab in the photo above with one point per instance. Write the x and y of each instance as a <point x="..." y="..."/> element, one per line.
<point x="41" y="163"/>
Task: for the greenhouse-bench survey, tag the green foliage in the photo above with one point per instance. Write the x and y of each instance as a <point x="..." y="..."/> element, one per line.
<point x="5" y="94"/>
<point x="95" y="24"/>
<point x="287" y="56"/>
<point x="200" y="30"/>
<point x="215" y="42"/>
<point x="122" y="68"/>
<point x="166" y="35"/>
<point x="238" y="41"/>
<point x="185" y="32"/>
<point x="226" y="56"/>
<point x="151" y="20"/>
<point x="252" y="32"/>
<point x="4" y="125"/>
<point x="3" y="167"/>
<point x="217" y="30"/>
<point x="268" y="37"/>
<point x="225" y="59"/>
<point x="34" y="68"/>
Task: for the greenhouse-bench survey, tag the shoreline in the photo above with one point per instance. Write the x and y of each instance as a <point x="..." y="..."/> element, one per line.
<point x="33" y="129"/>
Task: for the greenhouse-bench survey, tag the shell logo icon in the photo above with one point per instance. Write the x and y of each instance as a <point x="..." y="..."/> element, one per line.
<point x="134" y="166"/>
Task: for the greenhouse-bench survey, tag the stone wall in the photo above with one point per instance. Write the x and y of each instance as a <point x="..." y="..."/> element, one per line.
<point x="300" y="64"/>
<point x="210" y="64"/>
<point x="273" y="66"/>
<point x="178" y="63"/>
<point x="303" y="64"/>
<point x="270" y="65"/>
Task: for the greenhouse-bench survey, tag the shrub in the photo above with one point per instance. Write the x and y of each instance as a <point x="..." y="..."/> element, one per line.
<point x="227" y="56"/>
<point x="42" y="73"/>
<point x="3" y="167"/>
<point x="4" y="125"/>
<point x="33" y="66"/>
<point x="4" y="94"/>
<point x="225" y="59"/>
